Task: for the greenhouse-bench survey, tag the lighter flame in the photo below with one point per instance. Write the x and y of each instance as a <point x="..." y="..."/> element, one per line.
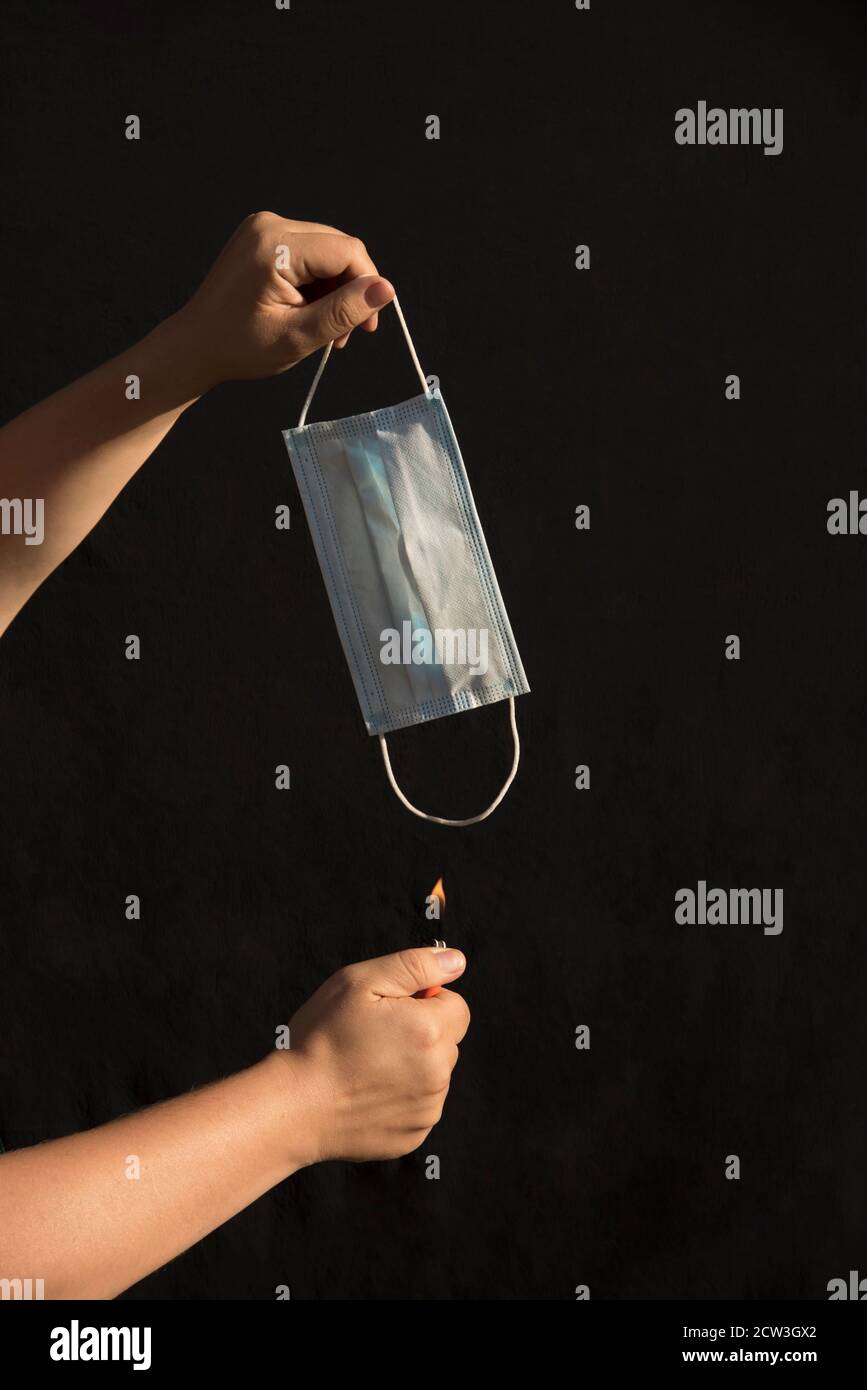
<point x="439" y="892"/>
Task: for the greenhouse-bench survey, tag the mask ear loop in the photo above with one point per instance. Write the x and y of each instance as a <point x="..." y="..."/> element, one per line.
<point x="471" y="820"/>
<point x="437" y="820"/>
<point x="302" y="418"/>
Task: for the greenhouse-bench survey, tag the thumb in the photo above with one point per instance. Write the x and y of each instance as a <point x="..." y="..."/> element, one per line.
<point x="406" y="972"/>
<point x="345" y="308"/>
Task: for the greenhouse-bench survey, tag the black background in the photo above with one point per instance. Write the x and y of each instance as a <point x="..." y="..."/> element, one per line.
<point x="606" y="387"/>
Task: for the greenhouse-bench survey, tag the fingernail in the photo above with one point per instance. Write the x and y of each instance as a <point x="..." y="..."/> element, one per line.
<point x="378" y="294"/>
<point x="450" y="962"/>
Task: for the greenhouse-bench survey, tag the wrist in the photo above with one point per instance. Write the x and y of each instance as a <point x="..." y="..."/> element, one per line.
<point x="296" y="1098"/>
<point x="180" y="358"/>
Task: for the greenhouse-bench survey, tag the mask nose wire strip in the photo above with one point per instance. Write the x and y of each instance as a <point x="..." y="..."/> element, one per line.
<point x="472" y="820"/>
<point x="302" y="418"/>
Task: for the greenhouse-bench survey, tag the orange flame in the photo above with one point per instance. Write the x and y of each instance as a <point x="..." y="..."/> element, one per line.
<point x="439" y="892"/>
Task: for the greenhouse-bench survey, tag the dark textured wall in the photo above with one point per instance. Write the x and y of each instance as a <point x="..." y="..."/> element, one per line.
<point x="603" y="387"/>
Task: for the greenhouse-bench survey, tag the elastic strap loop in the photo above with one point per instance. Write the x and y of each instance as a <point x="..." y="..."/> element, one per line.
<point x="472" y="820"/>
<point x="302" y="419"/>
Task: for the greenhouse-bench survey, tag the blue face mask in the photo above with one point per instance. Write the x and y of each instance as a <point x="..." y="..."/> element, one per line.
<point x="404" y="559"/>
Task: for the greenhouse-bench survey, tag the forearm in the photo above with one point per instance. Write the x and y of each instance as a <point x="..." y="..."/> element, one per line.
<point x="76" y="450"/>
<point x="248" y="319"/>
<point x="94" y="1213"/>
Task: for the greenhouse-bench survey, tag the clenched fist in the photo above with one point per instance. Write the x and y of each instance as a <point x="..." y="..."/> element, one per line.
<point x="375" y="1062"/>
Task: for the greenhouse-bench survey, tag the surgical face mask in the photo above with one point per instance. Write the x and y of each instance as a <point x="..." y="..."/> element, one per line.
<point x="404" y="559"/>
